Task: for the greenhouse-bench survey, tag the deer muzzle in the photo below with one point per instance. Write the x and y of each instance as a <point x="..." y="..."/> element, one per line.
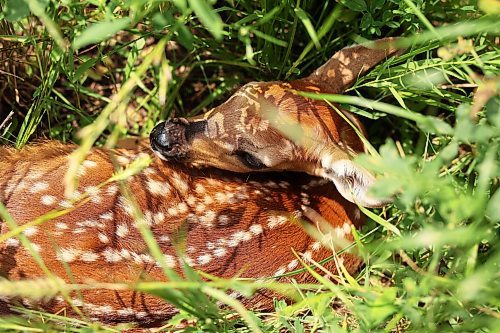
<point x="170" y="139"/>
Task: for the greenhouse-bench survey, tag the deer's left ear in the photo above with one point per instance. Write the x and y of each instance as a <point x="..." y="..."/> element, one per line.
<point x="352" y="181"/>
<point x="344" y="67"/>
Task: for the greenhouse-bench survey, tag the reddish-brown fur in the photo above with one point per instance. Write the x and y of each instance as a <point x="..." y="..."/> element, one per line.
<point x="236" y="224"/>
<point x="221" y="212"/>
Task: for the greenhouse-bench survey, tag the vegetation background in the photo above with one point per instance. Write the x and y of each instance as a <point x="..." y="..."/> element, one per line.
<point x="119" y="66"/>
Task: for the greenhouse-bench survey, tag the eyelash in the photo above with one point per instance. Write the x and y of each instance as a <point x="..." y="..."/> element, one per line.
<point x="249" y="160"/>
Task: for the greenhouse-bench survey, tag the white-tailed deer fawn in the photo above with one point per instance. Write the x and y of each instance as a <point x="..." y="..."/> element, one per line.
<point x="267" y="126"/>
<point x="243" y="225"/>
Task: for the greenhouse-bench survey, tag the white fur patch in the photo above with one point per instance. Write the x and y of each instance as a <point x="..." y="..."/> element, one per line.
<point x="351" y="180"/>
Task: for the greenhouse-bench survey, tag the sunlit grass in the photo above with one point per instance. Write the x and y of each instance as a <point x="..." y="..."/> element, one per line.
<point x="115" y="69"/>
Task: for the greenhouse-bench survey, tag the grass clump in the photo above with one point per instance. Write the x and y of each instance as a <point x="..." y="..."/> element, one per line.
<point x="431" y="258"/>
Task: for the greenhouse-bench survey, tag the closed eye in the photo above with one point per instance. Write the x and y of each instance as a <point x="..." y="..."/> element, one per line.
<point x="249" y="160"/>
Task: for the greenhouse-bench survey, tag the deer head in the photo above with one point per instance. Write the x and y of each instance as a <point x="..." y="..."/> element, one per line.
<point x="268" y="126"/>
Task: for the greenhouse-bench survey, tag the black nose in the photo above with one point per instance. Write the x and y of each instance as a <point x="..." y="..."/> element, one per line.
<point x="169" y="139"/>
<point x="159" y="137"/>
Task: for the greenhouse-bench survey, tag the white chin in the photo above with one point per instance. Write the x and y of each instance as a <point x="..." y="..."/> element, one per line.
<point x="360" y="197"/>
<point x="352" y="182"/>
<point x="160" y="155"/>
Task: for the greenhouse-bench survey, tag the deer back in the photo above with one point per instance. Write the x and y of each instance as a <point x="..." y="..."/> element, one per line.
<point x="222" y="223"/>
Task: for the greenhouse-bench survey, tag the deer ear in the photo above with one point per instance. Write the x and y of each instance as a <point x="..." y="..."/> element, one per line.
<point x="342" y="70"/>
<point x="352" y="181"/>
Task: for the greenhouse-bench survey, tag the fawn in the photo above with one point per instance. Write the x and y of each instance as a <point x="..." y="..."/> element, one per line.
<point x="267" y="126"/>
<point x="236" y="225"/>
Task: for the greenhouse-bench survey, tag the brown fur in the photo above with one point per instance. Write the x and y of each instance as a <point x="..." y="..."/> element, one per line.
<point x="237" y="204"/>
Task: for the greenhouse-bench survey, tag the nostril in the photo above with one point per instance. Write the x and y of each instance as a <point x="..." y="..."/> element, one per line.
<point x="162" y="139"/>
<point x="158" y="137"/>
<point x="169" y="139"/>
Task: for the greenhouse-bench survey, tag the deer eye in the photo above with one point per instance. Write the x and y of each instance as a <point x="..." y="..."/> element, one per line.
<point x="249" y="160"/>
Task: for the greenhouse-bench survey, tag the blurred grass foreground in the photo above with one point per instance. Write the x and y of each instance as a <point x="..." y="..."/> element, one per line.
<point x="119" y="66"/>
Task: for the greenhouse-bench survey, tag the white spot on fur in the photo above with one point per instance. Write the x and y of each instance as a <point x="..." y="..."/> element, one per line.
<point x="271" y="184"/>
<point x="34" y="174"/>
<point x="30" y="231"/>
<point x="125" y="312"/>
<point x="123" y="160"/>
<point x="293" y="264"/>
<point x="284" y="184"/>
<point x="307" y="256"/>
<point x="208" y="200"/>
<point x="280" y="271"/>
<point x="164" y="239"/>
<point x="188" y="261"/>
<point x="112" y="190"/>
<point x="172" y="211"/>
<point x="208" y="218"/>
<point x="179" y="183"/>
<point x="182" y="207"/>
<point x="125" y="254"/>
<point x="200" y="208"/>
<point x="89" y="164"/>
<point x="200" y="189"/>
<point x="122" y="230"/>
<point x="68" y="254"/>
<point x="220" y="252"/>
<point x="256" y="229"/>
<point x="191" y="200"/>
<point x="204" y="259"/>
<point x="235" y="295"/>
<point x="76" y="195"/>
<point x="239" y="237"/>
<point x="89" y="256"/>
<point x="316" y="246"/>
<point x="48" y="200"/>
<point x="126" y="205"/>
<point x="39" y="187"/>
<point x="148" y="217"/>
<point x="94" y="194"/>
<point x="108" y="216"/>
<point x="149" y="171"/>
<point x="276" y="220"/>
<point x="61" y="225"/>
<point x="111" y="255"/>
<point x="220" y="197"/>
<point x="169" y="261"/>
<point x="159" y="217"/>
<point x="103" y="238"/>
<point x="12" y="242"/>
<point x="158" y="188"/>
<point x="223" y="220"/>
<point x="65" y="204"/>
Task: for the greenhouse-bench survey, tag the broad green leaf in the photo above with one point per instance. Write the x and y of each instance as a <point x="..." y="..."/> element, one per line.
<point x="208" y="17"/>
<point x="98" y="32"/>
<point x="378" y="306"/>
<point x="434" y="125"/>
<point x="14" y="10"/>
<point x="83" y="68"/>
<point x="366" y="21"/>
<point x="185" y="36"/>
<point x="181" y="4"/>
<point x="492" y="211"/>
<point x="356" y="5"/>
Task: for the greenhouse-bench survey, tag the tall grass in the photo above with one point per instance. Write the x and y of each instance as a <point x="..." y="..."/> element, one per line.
<point x="94" y="71"/>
